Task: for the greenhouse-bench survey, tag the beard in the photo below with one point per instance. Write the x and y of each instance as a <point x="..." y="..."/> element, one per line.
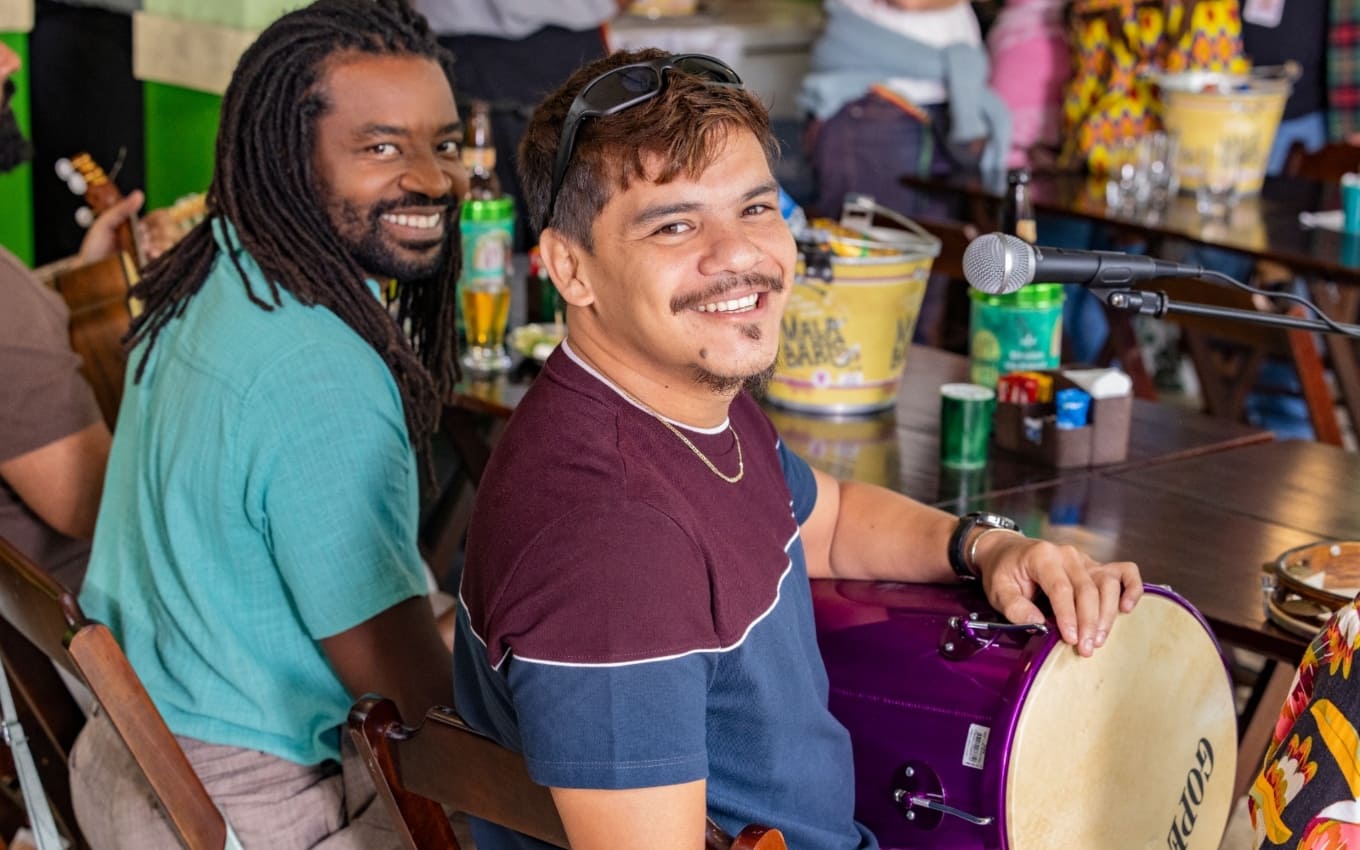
<point x="14" y="148"/>
<point x="754" y="383"/>
<point x="361" y="231"/>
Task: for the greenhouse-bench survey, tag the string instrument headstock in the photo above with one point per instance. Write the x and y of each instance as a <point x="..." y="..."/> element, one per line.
<point x="84" y="176"/>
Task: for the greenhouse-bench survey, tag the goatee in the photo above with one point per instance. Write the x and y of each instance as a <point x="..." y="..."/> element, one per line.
<point x="725" y="384"/>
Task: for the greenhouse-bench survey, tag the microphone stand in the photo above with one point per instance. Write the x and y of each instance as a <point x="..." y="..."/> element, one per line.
<point x="1157" y="305"/>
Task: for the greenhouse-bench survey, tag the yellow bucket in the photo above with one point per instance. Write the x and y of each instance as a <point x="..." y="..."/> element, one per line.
<point x="848" y="325"/>
<point x="1202" y="107"/>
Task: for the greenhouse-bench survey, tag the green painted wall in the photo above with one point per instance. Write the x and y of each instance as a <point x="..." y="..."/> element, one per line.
<point x="16" y="187"/>
<point x="181" y="132"/>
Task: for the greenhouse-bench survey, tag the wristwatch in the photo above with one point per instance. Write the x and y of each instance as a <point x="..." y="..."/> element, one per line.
<point x="962" y="568"/>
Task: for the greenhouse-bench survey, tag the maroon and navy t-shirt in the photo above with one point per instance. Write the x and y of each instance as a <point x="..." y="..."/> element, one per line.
<point x="629" y="619"/>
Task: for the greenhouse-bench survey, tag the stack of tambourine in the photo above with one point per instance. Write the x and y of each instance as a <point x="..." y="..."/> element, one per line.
<point x="1307" y="584"/>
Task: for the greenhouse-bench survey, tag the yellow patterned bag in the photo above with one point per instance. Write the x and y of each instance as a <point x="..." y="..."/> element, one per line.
<point x="1115" y="44"/>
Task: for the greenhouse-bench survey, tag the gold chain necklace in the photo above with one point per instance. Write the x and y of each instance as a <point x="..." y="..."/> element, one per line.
<point x="741" y="463"/>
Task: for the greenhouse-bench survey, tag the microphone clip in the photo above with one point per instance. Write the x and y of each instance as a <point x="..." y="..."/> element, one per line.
<point x="1133" y="301"/>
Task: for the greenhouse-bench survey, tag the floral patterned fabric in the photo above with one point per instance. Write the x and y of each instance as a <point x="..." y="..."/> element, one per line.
<point x="1116" y="43"/>
<point x="1307" y="796"/>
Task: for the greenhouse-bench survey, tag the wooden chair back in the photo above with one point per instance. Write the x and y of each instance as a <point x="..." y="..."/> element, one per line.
<point x="444" y="762"/>
<point x="1325" y="165"/>
<point x="49" y="618"/>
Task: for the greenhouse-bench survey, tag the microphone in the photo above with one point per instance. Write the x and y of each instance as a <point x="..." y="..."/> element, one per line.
<point x="998" y="263"/>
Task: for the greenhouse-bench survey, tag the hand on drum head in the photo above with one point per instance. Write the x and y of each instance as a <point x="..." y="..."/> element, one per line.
<point x="1085" y="594"/>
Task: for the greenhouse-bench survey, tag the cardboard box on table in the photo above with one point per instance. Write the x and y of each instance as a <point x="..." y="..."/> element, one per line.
<point x="1104" y="440"/>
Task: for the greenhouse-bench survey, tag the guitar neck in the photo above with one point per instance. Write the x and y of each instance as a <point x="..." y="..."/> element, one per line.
<point x="101" y="194"/>
<point x="128" y="243"/>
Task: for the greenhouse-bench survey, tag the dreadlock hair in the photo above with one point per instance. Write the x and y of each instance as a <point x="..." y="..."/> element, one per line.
<point x="265" y="185"/>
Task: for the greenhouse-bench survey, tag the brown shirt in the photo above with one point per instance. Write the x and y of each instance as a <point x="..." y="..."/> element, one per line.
<point x="43" y="398"/>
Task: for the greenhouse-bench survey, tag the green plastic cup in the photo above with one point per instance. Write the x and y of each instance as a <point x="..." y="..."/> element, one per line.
<point x="965" y="424"/>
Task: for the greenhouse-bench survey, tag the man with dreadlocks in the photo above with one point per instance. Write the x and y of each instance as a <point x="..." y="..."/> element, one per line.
<point x="255" y="552"/>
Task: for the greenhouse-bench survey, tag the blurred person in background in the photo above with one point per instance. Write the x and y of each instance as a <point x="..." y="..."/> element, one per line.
<point x="511" y="53"/>
<point x="1278" y="31"/>
<point x="899" y="87"/>
<point x="1030" y="64"/>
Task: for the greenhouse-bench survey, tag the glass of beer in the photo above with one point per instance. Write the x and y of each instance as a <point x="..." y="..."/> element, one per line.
<point x="486" y="310"/>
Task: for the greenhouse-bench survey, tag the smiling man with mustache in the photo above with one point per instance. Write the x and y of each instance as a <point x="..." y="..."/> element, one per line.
<point x="255" y="552"/>
<point x="635" y="614"/>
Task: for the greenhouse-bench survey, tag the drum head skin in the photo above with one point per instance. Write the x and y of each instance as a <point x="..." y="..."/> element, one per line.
<point x="1134" y="747"/>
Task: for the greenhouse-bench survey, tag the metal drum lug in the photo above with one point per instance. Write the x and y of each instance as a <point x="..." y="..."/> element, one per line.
<point x="919" y="794"/>
<point x="935" y="804"/>
<point x="966" y="636"/>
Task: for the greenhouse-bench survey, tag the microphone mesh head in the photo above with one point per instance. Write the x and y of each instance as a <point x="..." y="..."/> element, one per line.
<point x="998" y="263"/>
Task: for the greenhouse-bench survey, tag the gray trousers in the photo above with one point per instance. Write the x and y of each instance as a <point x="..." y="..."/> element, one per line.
<point x="273" y="804"/>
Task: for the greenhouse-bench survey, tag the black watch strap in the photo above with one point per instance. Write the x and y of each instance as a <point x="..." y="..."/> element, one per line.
<point x="959" y="539"/>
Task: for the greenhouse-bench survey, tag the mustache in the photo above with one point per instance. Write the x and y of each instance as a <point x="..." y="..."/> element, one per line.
<point x="413" y="199"/>
<point x="722" y="287"/>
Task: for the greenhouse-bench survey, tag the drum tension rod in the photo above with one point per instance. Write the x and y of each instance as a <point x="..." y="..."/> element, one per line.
<point x="974" y="624"/>
<point x="935" y="802"/>
<point x="981" y="634"/>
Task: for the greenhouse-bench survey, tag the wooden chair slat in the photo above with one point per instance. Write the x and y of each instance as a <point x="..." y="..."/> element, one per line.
<point x="48" y="616"/>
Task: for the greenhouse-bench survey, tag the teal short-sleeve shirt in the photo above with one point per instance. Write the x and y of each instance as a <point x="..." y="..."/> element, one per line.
<point x="261" y="495"/>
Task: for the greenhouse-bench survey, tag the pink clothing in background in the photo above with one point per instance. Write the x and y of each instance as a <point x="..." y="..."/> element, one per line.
<point x="1030" y="64"/>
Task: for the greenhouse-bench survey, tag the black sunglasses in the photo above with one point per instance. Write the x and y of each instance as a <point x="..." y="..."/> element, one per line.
<point x="623" y="88"/>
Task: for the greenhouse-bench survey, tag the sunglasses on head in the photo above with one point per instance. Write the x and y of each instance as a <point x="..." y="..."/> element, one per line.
<point x="623" y="88"/>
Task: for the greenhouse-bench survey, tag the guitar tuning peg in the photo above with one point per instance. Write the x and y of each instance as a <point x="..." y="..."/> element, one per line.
<point x="64" y="168"/>
<point x="76" y="184"/>
<point x="84" y="217"/>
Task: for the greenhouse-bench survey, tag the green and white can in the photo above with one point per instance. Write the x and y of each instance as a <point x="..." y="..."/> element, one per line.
<point x="1017" y="332"/>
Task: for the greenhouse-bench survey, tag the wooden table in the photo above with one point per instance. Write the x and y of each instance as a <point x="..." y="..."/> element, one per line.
<point x="900" y="449"/>
<point x="1308" y="486"/>
<point x="1265" y="227"/>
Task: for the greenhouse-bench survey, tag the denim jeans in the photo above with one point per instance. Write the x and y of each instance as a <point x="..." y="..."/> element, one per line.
<point x="867" y="147"/>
